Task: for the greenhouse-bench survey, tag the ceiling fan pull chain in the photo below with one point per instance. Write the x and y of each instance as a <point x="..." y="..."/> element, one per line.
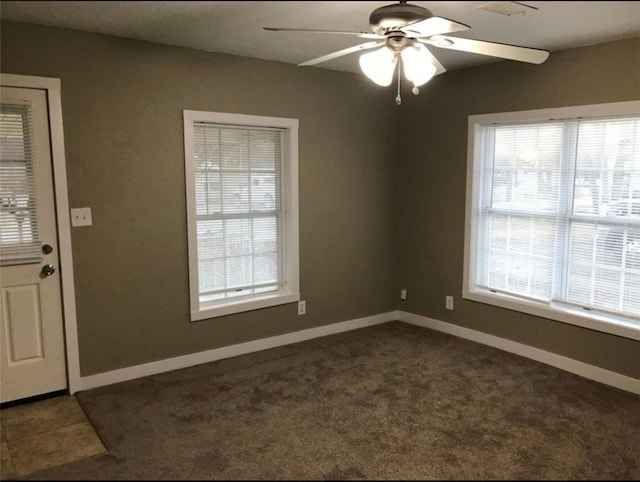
<point x="398" y="98"/>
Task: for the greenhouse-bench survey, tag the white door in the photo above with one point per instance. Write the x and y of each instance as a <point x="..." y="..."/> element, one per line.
<point x="32" y="335"/>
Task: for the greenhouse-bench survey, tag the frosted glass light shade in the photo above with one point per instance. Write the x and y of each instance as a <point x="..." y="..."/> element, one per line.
<point x="418" y="67"/>
<point x="379" y="65"/>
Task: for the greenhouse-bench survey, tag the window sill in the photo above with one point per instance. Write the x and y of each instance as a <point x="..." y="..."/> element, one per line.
<point x="228" y="307"/>
<point x="619" y="326"/>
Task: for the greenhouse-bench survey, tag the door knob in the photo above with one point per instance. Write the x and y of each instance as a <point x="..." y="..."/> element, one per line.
<point x="47" y="270"/>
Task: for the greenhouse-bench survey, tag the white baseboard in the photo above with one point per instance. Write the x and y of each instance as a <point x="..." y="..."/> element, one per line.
<point x="153" y="368"/>
<point x="568" y="364"/>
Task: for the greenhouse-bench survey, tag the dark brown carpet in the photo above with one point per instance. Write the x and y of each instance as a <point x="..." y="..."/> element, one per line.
<point x="392" y="401"/>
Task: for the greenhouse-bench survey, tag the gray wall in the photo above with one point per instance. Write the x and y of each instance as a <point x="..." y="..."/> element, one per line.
<point x="375" y="180"/>
<point x="122" y="104"/>
<point x="432" y="177"/>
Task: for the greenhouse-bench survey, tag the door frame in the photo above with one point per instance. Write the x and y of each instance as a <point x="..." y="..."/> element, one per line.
<point x="52" y="87"/>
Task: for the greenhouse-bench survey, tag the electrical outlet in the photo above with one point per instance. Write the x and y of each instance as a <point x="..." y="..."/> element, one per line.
<point x="302" y="307"/>
<point x="81" y="217"/>
<point x="449" y="302"/>
<point x="403" y="294"/>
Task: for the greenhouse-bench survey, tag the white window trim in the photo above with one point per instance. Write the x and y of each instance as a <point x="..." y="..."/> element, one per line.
<point x="574" y="316"/>
<point x="291" y="291"/>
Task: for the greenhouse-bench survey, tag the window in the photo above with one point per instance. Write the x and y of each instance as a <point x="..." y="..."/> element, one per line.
<point x="553" y="214"/>
<point x="19" y="242"/>
<point x="242" y="212"/>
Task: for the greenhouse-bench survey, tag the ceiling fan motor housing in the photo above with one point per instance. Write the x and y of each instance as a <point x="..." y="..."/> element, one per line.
<point x="392" y="17"/>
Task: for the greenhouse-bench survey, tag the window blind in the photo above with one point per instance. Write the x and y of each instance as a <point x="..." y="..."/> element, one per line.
<point x="238" y="210"/>
<point x="19" y="242"/>
<point x="559" y="212"/>
<point x="603" y="269"/>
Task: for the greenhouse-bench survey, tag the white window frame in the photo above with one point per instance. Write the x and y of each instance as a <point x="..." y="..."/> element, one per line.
<point x="619" y="326"/>
<point x="290" y="292"/>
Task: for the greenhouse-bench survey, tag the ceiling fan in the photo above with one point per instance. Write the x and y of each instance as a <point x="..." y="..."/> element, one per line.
<point x="402" y="31"/>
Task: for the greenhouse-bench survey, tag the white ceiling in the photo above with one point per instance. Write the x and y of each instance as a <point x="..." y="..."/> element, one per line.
<point x="236" y="27"/>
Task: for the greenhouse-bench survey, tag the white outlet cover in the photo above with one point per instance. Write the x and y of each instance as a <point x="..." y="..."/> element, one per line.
<point x="81" y="217"/>
<point x="449" y="302"/>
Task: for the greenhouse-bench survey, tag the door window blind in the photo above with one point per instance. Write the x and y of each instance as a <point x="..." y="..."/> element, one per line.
<point x="19" y="242"/>
<point x="559" y="212"/>
<point x="238" y="210"/>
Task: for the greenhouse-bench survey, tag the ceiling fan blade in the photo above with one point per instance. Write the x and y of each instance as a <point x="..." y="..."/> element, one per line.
<point x="492" y="49"/>
<point x="439" y="67"/>
<point x="340" y="53"/>
<point x="339" y="32"/>
<point x="433" y="26"/>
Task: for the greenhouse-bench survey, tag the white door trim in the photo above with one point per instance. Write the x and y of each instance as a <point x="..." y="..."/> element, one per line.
<point x="54" y="104"/>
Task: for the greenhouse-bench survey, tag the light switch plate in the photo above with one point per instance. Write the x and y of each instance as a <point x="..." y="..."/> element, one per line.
<point x="81" y="217"/>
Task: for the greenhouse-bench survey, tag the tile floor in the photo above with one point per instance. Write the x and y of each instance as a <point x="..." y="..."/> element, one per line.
<point x="44" y="434"/>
